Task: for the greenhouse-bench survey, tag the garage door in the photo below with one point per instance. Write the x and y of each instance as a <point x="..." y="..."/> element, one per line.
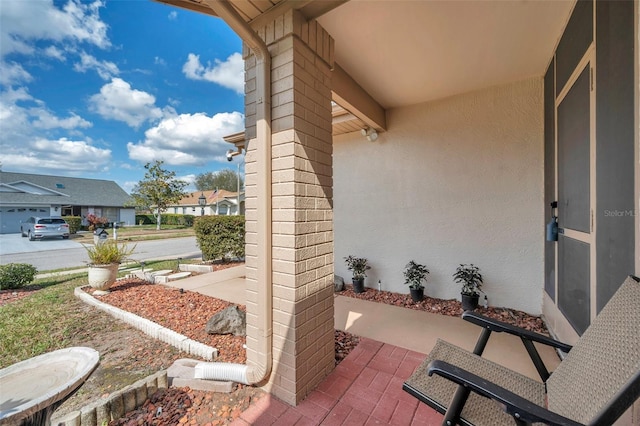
<point x="11" y="217"/>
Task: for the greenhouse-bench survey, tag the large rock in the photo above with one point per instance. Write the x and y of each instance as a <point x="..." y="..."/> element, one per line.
<point x="229" y="321"/>
<point x="338" y="283"/>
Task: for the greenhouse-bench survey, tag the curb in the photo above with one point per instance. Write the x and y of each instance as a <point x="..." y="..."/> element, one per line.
<point x="151" y="328"/>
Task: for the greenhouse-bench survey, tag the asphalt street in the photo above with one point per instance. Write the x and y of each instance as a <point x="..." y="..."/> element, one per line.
<point x="57" y="253"/>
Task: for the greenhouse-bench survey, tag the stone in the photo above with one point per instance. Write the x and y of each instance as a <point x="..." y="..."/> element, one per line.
<point x="229" y="321"/>
<point x="338" y="283"/>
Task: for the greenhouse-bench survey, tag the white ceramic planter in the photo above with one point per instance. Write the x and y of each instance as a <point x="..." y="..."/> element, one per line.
<point x="101" y="277"/>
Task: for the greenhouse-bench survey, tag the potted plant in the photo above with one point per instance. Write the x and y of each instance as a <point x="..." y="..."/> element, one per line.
<point x="414" y="275"/>
<point x="471" y="279"/>
<point x="104" y="260"/>
<point x="358" y="266"/>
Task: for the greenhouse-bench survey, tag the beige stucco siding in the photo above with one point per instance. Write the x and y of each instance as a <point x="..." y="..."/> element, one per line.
<point x="459" y="180"/>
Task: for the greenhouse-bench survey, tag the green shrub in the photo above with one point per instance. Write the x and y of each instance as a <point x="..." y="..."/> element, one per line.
<point x="16" y="275"/>
<point x="167" y="219"/>
<point x="75" y="223"/>
<point x="145" y="219"/>
<point x="177" y="219"/>
<point x="220" y="237"/>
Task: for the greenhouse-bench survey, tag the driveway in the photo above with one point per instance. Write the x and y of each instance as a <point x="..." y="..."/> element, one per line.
<point x="14" y="243"/>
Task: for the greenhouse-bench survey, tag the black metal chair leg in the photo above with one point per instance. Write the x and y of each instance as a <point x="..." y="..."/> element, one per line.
<point x="452" y="415"/>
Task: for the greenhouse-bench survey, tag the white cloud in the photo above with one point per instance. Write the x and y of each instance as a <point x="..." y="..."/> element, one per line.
<point x="118" y="101"/>
<point x="55" y="53"/>
<point x="22" y="115"/>
<point x="159" y="61"/>
<point x="15" y="95"/>
<point x="50" y="155"/>
<point x="105" y="69"/>
<point x="173" y="15"/>
<point x="46" y="120"/>
<point x="15" y="119"/>
<point x="22" y="23"/>
<point x="187" y="139"/>
<point x="12" y="73"/>
<point x="229" y="74"/>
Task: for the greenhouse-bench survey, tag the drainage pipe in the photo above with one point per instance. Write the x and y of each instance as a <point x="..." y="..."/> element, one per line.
<point x="251" y="374"/>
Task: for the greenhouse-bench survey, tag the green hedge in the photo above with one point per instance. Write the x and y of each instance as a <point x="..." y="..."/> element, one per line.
<point x="177" y="219"/>
<point x="145" y="219"/>
<point x="16" y="275"/>
<point x="75" y="223"/>
<point x="220" y="237"/>
<point x="167" y="219"/>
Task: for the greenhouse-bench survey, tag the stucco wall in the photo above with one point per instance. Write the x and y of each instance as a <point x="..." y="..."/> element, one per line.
<point x="453" y="181"/>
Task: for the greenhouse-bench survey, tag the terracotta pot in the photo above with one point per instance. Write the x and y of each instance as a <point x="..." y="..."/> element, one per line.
<point x="358" y="285"/>
<point x="101" y="277"/>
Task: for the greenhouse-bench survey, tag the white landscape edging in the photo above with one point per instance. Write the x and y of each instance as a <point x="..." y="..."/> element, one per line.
<point x="151" y="328"/>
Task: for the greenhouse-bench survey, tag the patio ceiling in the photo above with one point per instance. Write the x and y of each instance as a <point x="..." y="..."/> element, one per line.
<point x="407" y="52"/>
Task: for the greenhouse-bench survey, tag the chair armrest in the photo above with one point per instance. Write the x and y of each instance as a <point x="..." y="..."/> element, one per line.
<point x="499" y="327"/>
<point x="521" y="409"/>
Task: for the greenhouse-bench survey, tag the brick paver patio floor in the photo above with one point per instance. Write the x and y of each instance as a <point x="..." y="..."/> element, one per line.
<point x="365" y="389"/>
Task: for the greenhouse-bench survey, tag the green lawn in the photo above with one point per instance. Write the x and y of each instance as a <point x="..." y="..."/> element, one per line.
<point x="51" y="318"/>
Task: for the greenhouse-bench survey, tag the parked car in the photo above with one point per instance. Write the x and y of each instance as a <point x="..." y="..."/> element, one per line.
<point x="40" y="227"/>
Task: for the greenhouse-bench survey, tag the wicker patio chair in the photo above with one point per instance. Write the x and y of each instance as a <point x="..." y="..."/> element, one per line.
<point x="594" y="385"/>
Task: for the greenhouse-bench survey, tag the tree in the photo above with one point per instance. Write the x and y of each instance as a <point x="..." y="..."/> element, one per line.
<point x="157" y="190"/>
<point x="222" y="179"/>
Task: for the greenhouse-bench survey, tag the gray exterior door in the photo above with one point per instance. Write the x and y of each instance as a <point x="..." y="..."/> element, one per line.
<point x="575" y="108"/>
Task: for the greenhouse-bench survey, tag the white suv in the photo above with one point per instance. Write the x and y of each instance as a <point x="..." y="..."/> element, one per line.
<point x="39" y="227"/>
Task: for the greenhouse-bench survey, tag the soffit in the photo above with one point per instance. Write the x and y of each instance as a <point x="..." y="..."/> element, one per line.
<point x="408" y="52"/>
<point x="344" y="122"/>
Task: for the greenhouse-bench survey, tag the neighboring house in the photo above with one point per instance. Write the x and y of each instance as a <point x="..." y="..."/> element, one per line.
<point x="220" y="202"/>
<point x="23" y="195"/>
<point x="477" y="115"/>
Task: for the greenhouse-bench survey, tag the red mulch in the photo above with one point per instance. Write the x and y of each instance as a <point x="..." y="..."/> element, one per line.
<point x="185" y="312"/>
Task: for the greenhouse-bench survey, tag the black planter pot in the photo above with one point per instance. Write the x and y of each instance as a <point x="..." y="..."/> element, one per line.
<point x="417" y="294"/>
<point x="469" y="302"/>
<point x="358" y="285"/>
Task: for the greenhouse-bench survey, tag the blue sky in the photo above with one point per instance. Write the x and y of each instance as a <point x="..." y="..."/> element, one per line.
<point x="97" y="89"/>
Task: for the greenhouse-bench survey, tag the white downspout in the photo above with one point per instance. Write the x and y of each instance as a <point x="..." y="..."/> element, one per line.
<point x="251" y="374"/>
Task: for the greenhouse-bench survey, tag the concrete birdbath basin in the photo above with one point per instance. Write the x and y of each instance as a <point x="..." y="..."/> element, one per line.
<point x="32" y="389"/>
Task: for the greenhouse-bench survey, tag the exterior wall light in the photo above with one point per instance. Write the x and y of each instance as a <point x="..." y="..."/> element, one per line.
<point x="369" y="133"/>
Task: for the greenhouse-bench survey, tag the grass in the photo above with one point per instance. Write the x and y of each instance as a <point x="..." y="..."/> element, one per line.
<point x="49" y="318"/>
<point x="41" y="322"/>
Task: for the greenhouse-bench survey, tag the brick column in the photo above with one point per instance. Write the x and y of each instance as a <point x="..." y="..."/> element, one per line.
<point x="303" y="327"/>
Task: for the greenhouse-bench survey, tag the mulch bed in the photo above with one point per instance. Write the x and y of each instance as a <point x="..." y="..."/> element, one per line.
<point x="185" y="312"/>
<point x="450" y="307"/>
